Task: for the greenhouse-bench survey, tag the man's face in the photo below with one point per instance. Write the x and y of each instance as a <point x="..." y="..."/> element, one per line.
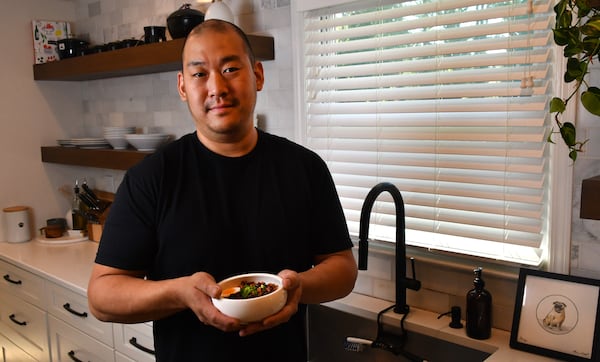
<point x="219" y="84"/>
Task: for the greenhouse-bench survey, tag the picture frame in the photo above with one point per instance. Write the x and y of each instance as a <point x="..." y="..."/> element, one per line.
<point x="557" y="315"/>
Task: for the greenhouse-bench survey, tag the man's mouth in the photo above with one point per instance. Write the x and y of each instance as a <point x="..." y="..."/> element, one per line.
<point x="218" y="107"/>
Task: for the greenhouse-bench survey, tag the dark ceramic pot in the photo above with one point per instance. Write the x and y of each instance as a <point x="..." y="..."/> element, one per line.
<point x="182" y="21"/>
<point x="71" y="47"/>
<point x="154" y="34"/>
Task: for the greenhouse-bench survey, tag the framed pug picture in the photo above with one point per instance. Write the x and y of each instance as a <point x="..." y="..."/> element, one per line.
<point x="557" y="316"/>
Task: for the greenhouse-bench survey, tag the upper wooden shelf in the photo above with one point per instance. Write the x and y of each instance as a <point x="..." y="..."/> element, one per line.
<point x="101" y="158"/>
<point x="142" y="59"/>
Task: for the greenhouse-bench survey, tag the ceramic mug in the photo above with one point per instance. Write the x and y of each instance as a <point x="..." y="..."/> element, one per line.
<point x="52" y="231"/>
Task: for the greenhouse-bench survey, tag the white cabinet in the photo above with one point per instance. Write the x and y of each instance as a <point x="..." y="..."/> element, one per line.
<point x="73" y="309"/>
<point x="134" y="341"/>
<point x="70" y="344"/>
<point x="75" y="334"/>
<point x="9" y="352"/>
<point x="22" y="314"/>
<point x="21" y="283"/>
<point x="44" y="313"/>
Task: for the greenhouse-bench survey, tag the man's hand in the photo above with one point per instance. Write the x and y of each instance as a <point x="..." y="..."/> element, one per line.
<point x="293" y="286"/>
<point x="197" y="297"/>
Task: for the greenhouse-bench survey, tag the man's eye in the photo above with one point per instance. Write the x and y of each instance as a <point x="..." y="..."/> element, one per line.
<point x="198" y="74"/>
<point x="230" y="70"/>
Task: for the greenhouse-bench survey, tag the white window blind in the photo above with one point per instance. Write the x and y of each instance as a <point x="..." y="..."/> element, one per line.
<point x="447" y="100"/>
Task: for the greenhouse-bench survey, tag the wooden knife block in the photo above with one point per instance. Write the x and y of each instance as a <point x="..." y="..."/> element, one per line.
<point x="95" y="229"/>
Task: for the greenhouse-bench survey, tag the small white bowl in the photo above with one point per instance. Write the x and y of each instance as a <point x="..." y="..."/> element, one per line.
<point x="147" y="142"/>
<point x="118" y="143"/>
<point x="252" y="309"/>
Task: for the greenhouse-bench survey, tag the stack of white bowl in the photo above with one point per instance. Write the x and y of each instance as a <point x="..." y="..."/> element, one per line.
<point x="116" y="136"/>
<point x="147" y="141"/>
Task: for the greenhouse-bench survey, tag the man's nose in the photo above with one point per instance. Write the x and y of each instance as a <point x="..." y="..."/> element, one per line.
<point x="217" y="85"/>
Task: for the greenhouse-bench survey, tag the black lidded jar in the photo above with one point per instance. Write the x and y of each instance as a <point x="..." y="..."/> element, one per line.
<point x="479" y="309"/>
<point x="182" y="21"/>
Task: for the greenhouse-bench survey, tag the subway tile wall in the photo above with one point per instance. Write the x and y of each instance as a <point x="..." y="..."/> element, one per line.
<point x="152" y="101"/>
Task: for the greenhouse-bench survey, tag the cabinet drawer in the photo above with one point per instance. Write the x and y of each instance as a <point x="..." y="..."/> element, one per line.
<point x="23" y="284"/>
<point x="73" y="308"/>
<point x="12" y="353"/>
<point x="136" y="341"/>
<point x="120" y="357"/>
<point x="69" y="344"/>
<point x="24" y="323"/>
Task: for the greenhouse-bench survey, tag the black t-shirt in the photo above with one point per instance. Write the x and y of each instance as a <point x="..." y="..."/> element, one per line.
<point x="186" y="209"/>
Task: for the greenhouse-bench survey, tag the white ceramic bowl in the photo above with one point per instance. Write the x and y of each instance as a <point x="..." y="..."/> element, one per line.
<point x="118" y="143"/>
<point x="146" y="142"/>
<point x="252" y="309"/>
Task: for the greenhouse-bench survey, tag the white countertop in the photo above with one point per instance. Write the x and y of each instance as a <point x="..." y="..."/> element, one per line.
<point x="70" y="265"/>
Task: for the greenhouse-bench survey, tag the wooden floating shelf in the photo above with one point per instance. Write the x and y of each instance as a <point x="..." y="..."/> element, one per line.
<point x="101" y="158"/>
<point x="142" y="59"/>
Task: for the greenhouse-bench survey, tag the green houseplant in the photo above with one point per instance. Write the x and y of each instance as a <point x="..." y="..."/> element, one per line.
<point x="577" y="28"/>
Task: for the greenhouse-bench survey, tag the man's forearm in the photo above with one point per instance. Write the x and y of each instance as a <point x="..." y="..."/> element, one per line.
<point x="330" y="279"/>
<point x="130" y="299"/>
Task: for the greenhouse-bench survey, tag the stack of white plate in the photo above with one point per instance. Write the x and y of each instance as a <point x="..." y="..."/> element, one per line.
<point x="116" y="136"/>
<point x="90" y="143"/>
<point x="147" y="142"/>
<point x="66" y="143"/>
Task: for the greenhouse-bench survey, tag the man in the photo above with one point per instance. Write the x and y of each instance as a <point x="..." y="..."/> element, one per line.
<point x="224" y="200"/>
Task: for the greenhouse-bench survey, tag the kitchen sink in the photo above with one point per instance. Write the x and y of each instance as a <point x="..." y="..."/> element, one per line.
<point x="328" y="329"/>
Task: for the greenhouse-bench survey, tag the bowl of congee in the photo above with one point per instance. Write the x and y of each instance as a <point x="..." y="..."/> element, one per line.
<point x="251" y="297"/>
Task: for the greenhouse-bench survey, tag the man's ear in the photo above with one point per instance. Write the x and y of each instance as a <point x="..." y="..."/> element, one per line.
<point x="260" y="75"/>
<point x="181" y="87"/>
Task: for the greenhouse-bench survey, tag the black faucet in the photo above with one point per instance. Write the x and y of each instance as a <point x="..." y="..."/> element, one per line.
<point x="402" y="282"/>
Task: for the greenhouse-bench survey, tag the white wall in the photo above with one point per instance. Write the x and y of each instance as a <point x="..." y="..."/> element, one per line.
<point x="585" y="238"/>
<point x="32" y="113"/>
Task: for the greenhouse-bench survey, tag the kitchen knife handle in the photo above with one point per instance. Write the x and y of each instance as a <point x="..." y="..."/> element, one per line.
<point x="87" y="200"/>
<point x="89" y="191"/>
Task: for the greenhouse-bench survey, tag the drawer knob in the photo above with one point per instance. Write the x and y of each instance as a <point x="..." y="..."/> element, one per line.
<point x="8" y="279"/>
<point x="133" y="342"/>
<point x="68" y="308"/>
<point x="16" y="321"/>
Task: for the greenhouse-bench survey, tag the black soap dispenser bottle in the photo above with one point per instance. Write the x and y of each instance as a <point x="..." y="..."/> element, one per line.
<point x="479" y="309"/>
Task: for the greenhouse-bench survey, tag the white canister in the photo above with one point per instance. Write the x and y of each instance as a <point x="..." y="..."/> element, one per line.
<point x="16" y="224"/>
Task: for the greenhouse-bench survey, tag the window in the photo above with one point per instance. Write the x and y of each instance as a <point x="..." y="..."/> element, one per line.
<point x="448" y="101"/>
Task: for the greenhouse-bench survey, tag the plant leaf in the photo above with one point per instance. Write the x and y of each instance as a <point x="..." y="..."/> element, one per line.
<point x="573" y="155"/>
<point x="591" y="100"/>
<point x="557" y="105"/>
<point x="568" y="134"/>
<point x="583" y="8"/>
<point x="591" y="46"/>
<point x="564" y="18"/>
<point x="561" y="36"/>
<point x="560" y="8"/>
<point x="576" y="70"/>
<point x="592" y="27"/>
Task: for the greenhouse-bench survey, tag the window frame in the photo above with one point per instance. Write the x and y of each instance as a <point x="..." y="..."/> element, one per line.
<point x="557" y="254"/>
